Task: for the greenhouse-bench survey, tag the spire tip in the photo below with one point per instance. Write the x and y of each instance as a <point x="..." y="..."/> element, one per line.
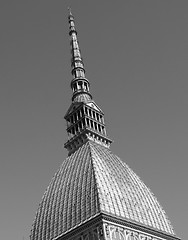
<point x="69" y="9"/>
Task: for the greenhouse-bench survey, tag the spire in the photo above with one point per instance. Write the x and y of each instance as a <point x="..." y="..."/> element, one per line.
<point x="85" y="120"/>
<point x="79" y="84"/>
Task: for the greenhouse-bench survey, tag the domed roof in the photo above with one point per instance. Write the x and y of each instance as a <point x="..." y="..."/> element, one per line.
<point x="82" y="98"/>
<point x="92" y="181"/>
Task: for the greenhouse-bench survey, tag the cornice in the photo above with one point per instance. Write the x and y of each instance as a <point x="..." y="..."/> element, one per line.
<point x="139" y="227"/>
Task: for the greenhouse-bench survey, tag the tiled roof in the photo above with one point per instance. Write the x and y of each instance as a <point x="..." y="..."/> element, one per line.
<point x="90" y="181"/>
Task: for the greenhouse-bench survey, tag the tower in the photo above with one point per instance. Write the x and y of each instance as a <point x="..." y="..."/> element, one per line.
<point x="94" y="194"/>
<point x="85" y="120"/>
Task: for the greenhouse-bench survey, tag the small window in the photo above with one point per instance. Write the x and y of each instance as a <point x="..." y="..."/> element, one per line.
<point x="87" y="120"/>
<point x="79" y="115"/>
<point x="86" y="110"/>
<point x="90" y="113"/>
<point x="99" y="128"/>
<point x="97" y="115"/>
<point x="79" y="84"/>
<point x="84" y="122"/>
<point x="72" y="120"/>
<point x="85" y="86"/>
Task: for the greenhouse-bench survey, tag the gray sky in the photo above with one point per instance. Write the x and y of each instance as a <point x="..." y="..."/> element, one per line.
<point x="136" y="57"/>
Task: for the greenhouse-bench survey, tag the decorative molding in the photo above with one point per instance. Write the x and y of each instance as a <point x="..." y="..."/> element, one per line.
<point x="80" y="230"/>
<point x="126" y="230"/>
<point x="138" y="227"/>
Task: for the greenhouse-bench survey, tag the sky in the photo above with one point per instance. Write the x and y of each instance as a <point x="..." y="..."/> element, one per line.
<point x="136" y="59"/>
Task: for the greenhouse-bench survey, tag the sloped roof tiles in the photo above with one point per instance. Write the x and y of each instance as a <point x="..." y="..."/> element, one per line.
<point x="90" y="181"/>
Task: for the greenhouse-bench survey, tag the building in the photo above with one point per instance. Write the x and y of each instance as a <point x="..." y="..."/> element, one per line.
<point x="94" y="194"/>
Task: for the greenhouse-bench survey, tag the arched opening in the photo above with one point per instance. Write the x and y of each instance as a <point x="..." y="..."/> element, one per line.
<point x="85" y="86"/>
<point x="79" y="85"/>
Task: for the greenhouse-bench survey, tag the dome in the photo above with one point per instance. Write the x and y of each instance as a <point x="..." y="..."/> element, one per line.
<point x="82" y="98"/>
<point x="92" y="181"/>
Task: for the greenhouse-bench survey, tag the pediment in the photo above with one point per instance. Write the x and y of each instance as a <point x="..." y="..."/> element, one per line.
<point x="94" y="106"/>
<point x="75" y="105"/>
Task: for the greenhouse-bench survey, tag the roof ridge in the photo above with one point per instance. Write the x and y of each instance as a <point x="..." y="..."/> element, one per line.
<point x="95" y="178"/>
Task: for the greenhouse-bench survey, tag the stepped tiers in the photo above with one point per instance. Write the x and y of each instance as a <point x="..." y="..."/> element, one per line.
<point x="94" y="195"/>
